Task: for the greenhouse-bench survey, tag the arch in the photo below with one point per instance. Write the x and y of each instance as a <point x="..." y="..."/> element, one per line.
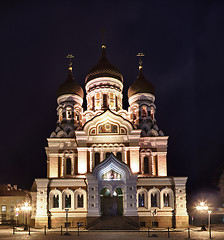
<point x="52" y="197"/>
<point x="80" y="199"/>
<point x="167" y="198"/>
<point x="154" y="197"/>
<point x="68" y="199"/>
<point x="142" y="197"/>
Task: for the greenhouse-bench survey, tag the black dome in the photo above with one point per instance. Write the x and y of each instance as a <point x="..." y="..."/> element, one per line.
<point x="141" y="85"/>
<point x="104" y="69"/>
<point x="70" y="86"/>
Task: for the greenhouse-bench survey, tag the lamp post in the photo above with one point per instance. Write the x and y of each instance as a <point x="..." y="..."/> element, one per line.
<point x="202" y="207"/>
<point x="66" y="223"/>
<point x="26" y="208"/>
<point x="153" y="214"/>
<point x="17" y="214"/>
<point x="209" y="223"/>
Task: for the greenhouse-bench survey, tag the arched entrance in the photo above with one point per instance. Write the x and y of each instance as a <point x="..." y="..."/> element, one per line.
<point x="111" y="204"/>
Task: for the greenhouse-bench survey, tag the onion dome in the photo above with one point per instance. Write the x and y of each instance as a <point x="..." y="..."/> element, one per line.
<point x="141" y="85"/>
<point x="104" y="69"/>
<point x="70" y="86"/>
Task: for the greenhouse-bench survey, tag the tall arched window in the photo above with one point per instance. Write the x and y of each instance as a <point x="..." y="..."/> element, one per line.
<point x="80" y="201"/>
<point x="108" y="154"/>
<point x="141" y="200"/>
<point x="97" y="158"/>
<point x="55" y="201"/>
<point x="166" y="200"/>
<point x="146" y="165"/>
<point x="119" y="156"/>
<point x="68" y="166"/>
<point x="154" y="200"/>
<point x="67" y="201"/>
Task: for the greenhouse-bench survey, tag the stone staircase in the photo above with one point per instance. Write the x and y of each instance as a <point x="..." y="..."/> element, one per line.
<point x="115" y="223"/>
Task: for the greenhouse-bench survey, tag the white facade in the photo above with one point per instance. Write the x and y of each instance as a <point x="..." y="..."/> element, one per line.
<point x="107" y="160"/>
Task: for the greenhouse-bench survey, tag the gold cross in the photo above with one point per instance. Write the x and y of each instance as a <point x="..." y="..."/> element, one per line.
<point x="140" y="55"/>
<point x="70" y="57"/>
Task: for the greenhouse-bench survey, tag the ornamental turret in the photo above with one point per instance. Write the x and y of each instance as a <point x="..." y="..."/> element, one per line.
<point x="69" y="98"/>
<point x="141" y="97"/>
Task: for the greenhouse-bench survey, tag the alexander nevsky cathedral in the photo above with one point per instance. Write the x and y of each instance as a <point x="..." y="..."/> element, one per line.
<point x="107" y="161"/>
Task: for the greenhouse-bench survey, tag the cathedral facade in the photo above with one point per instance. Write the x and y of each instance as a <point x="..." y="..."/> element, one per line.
<point x="105" y="160"/>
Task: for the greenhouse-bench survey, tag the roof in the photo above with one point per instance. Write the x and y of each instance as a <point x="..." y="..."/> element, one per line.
<point x="104" y="69"/>
<point x="70" y="86"/>
<point x="141" y="85"/>
<point x="8" y="190"/>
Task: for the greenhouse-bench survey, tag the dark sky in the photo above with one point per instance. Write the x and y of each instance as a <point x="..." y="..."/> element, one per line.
<point x="183" y="42"/>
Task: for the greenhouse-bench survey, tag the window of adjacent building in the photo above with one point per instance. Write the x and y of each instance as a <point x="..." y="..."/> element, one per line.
<point x="146" y="165"/>
<point x="141" y="200"/>
<point x="97" y="158"/>
<point x="68" y="166"/>
<point x="154" y="200"/>
<point x="67" y="201"/>
<point x="166" y="200"/>
<point x="4" y="208"/>
<point x="11" y="208"/>
<point x="55" y="201"/>
<point x="80" y="201"/>
<point x="119" y="156"/>
<point x="69" y="113"/>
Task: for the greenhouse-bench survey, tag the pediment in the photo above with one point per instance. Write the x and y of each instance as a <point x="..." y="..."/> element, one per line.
<point x="108" y="123"/>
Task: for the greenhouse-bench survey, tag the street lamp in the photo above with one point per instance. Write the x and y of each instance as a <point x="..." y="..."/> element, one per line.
<point x="26" y="208"/>
<point x="153" y="224"/>
<point x="66" y="224"/>
<point x="17" y="214"/>
<point x="209" y="223"/>
<point x="203" y="208"/>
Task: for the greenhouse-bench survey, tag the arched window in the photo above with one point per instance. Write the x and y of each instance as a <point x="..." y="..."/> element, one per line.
<point x="80" y="201"/>
<point x="154" y="200"/>
<point x="141" y="200"/>
<point x="119" y="156"/>
<point x="166" y="200"/>
<point x="146" y="165"/>
<point x="93" y="103"/>
<point x="97" y="158"/>
<point x="67" y="200"/>
<point x="144" y="111"/>
<point x="60" y="115"/>
<point x="105" y="105"/>
<point x="68" y="166"/>
<point x="69" y="113"/>
<point x="55" y="201"/>
<point x="108" y="154"/>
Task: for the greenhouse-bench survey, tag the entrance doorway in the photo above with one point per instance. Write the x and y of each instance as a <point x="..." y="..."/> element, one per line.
<point x="111" y="204"/>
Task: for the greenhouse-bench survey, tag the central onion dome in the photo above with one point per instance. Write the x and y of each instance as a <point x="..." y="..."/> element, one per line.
<point x="104" y="69"/>
<point x="141" y="85"/>
<point x="70" y="86"/>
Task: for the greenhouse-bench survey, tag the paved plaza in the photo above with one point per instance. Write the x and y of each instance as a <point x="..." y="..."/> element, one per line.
<point x="55" y="234"/>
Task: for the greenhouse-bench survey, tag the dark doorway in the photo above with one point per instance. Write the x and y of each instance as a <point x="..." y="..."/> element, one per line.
<point x="111" y="205"/>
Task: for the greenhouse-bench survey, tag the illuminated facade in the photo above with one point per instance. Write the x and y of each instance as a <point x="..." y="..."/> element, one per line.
<point x="107" y="160"/>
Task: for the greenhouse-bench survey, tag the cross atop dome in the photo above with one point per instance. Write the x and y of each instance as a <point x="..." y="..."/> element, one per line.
<point x="140" y="55"/>
<point x="70" y="57"/>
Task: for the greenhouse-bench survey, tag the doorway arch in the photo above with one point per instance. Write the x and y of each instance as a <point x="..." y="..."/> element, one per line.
<point x="111" y="202"/>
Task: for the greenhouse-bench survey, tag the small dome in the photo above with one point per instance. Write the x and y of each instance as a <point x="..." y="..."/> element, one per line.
<point x="70" y="86"/>
<point x="104" y="69"/>
<point x="141" y="85"/>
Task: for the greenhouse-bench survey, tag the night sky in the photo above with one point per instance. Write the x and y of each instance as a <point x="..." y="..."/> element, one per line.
<point x="183" y="43"/>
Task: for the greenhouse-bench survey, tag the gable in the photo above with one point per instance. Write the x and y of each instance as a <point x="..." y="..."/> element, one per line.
<point x="108" y="123"/>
